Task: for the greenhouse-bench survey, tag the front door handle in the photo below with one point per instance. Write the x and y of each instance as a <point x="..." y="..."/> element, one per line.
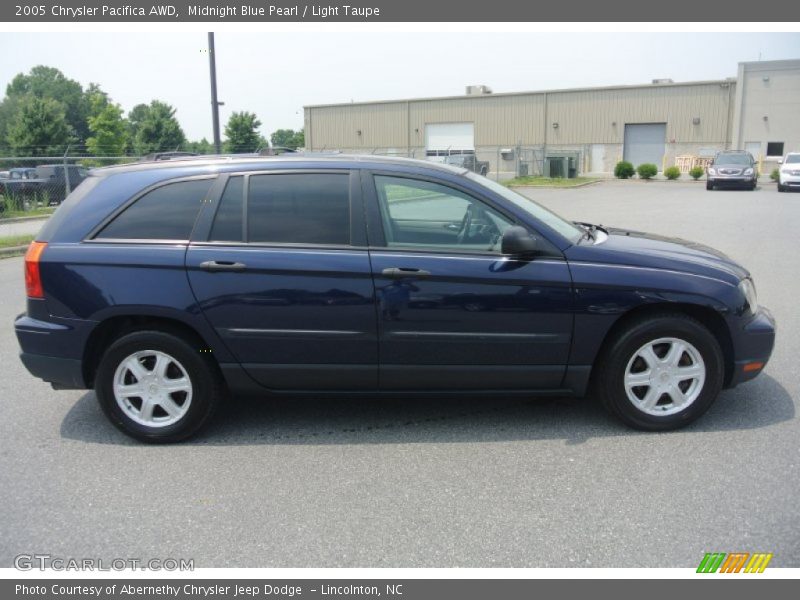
<point x="398" y="272"/>
<point x="222" y="265"/>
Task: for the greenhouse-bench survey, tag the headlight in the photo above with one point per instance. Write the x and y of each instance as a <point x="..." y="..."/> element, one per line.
<point x="748" y="171"/>
<point x="748" y="288"/>
<point x="711" y="171"/>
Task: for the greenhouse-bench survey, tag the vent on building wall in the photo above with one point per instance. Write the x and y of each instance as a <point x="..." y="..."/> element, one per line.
<point x="478" y="90"/>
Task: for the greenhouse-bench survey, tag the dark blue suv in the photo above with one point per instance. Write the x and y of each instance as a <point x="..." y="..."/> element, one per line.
<point x="166" y="286"/>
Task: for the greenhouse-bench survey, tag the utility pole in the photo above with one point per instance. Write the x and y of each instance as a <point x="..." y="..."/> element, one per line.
<point x="215" y="104"/>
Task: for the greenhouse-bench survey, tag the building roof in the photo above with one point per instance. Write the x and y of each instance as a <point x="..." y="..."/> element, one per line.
<point x="728" y="81"/>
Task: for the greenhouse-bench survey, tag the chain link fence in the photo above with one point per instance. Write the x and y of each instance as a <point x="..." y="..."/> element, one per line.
<point x="35" y="182"/>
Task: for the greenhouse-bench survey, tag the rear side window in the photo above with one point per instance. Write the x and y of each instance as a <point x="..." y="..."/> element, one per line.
<point x="228" y="221"/>
<point x="303" y="208"/>
<point x="166" y="213"/>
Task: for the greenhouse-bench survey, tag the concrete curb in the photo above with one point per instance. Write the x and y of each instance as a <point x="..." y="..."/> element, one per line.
<point x="556" y="187"/>
<point x="13" y="251"/>
<point x="23" y="219"/>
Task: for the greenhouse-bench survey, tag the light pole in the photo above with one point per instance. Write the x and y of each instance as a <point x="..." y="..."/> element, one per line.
<point x="215" y="104"/>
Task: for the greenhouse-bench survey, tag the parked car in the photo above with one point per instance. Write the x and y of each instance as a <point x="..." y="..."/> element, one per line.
<point x="167" y="286"/>
<point x="732" y="168"/>
<point x="20" y="183"/>
<point x="469" y="162"/>
<point x="52" y="180"/>
<point x="789" y="172"/>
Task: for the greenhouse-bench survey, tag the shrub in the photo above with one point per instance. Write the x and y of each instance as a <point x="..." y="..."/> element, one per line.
<point x="696" y="172"/>
<point x="672" y="172"/>
<point x="624" y="170"/>
<point x="774" y="175"/>
<point x="647" y="170"/>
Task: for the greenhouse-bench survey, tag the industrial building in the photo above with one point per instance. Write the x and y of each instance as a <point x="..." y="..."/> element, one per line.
<point x="587" y="130"/>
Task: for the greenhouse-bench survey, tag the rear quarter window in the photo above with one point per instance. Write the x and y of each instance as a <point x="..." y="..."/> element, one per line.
<point x="166" y="213"/>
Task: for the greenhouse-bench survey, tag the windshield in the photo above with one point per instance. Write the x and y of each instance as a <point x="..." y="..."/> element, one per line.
<point x="793" y="158"/>
<point x="732" y="159"/>
<point x="569" y="230"/>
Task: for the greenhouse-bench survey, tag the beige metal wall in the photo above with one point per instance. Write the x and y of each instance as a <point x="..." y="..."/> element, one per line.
<point x="583" y="116"/>
<point x="772" y="90"/>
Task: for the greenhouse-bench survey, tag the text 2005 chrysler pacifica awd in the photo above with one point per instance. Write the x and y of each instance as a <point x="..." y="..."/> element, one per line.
<point x="167" y="286"/>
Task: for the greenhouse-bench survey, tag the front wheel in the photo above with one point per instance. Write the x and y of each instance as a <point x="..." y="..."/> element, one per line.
<point x="661" y="372"/>
<point x="709" y="186"/>
<point x="157" y="387"/>
<point x="781" y="188"/>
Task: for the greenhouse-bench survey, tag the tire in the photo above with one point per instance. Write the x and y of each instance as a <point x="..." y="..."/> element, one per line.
<point x="709" y="186"/>
<point x="162" y="416"/>
<point x="752" y="186"/>
<point x="623" y="361"/>
<point x="781" y="188"/>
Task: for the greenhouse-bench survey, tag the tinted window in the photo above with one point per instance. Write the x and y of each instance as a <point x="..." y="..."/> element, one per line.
<point x="228" y="221"/>
<point x="166" y="213"/>
<point x="421" y="213"/>
<point x="307" y="208"/>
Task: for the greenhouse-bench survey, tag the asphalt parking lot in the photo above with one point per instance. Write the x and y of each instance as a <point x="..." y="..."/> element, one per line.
<point x="444" y="483"/>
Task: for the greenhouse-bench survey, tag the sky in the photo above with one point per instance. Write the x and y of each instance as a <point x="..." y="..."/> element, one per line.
<point x="275" y="74"/>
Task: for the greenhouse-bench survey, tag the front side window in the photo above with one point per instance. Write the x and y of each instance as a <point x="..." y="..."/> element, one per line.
<point x="302" y="208"/>
<point x="419" y="213"/>
<point x="166" y="213"/>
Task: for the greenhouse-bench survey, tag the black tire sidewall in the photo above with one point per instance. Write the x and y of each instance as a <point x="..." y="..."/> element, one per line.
<point x="637" y="335"/>
<point x="205" y="385"/>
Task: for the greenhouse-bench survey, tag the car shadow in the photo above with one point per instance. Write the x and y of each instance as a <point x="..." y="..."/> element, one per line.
<point x="272" y="421"/>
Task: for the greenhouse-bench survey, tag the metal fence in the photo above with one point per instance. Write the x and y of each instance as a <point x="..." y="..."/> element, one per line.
<point x="32" y="182"/>
<point x="28" y="183"/>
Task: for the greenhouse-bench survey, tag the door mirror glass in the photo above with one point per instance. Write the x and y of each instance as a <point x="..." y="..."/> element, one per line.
<point x="517" y="241"/>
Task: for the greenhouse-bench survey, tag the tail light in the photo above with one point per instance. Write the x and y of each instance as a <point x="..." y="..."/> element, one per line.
<point x="33" y="280"/>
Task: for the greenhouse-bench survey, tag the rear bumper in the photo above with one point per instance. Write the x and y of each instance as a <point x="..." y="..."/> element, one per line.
<point x="753" y="347"/>
<point x="61" y="373"/>
<point x="49" y="351"/>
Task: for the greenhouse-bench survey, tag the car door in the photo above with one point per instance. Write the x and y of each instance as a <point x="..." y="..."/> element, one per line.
<point x="281" y="271"/>
<point x="453" y="312"/>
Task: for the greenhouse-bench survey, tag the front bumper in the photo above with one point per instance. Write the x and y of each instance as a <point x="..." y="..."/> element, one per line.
<point x="732" y="180"/>
<point x="753" y="347"/>
<point x="789" y="180"/>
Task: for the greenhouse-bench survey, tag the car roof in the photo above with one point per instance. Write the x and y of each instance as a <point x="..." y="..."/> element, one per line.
<point x="254" y="161"/>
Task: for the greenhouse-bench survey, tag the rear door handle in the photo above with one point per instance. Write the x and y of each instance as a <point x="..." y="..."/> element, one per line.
<point x="222" y="265"/>
<point x="398" y="272"/>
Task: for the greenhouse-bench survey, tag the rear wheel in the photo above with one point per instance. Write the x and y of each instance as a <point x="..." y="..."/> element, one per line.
<point x="661" y="372"/>
<point x="156" y="387"/>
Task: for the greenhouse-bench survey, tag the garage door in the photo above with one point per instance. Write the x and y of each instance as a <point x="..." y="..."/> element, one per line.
<point x="644" y="143"/>
<point x="442" y="139"/>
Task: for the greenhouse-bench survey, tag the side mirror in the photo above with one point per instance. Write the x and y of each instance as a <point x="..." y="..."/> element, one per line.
<point x="518" y="242"/>
<point x="780" y="161"/>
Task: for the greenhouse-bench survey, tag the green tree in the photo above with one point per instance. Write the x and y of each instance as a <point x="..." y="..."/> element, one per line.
<point x="241" y="132"/>
<point x="158" y="130"/>
<point x="200" y="147"/>
<point x="39" y="128"/>
<point x="288" y="138"/>
<point x="48" y="82"/>
<point x="135" y="118"/>
<point x="108" y="128"/>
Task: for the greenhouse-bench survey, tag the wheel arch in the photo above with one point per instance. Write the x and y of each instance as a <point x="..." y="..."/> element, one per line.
<point x="706" y="315"/>
<point x="111" y="328"/>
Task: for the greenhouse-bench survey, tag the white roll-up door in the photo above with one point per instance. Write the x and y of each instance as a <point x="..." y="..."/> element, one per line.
<point x="645" y="143"/>
<point x="442" y="139"/>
